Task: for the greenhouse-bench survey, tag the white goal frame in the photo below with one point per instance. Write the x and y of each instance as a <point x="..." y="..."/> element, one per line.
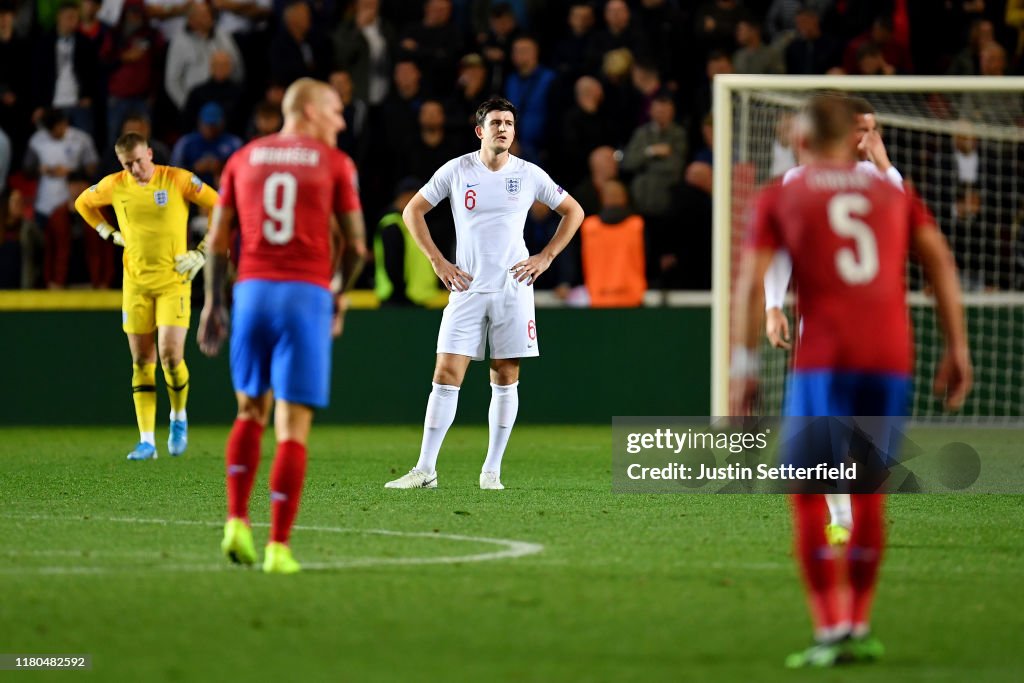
<point x="724" y="87"/>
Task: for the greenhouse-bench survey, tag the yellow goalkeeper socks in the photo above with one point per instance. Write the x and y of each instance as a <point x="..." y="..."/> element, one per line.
<point x="176" y="379"/>
<point x="144" y="395"/>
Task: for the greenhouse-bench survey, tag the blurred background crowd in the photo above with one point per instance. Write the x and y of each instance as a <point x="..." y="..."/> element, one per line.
<point x="614" y="101"/>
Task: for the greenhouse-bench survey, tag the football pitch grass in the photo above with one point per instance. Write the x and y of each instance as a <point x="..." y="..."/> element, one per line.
<point x="554" y="579"/>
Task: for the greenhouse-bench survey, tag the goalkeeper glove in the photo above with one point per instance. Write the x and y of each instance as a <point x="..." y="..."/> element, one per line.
<point x="106" y="231"/>
<point x="190" y="263"/>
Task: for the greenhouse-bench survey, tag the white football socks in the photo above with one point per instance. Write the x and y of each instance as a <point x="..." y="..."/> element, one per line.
<point x="441" y="405"/>
<point x="840" y="509"/>
<point x="500" y="418"/>
<point x="148" y="437"/>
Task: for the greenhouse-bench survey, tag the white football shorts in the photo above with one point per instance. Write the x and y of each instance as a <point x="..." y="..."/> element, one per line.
<point x="504" y="320"/>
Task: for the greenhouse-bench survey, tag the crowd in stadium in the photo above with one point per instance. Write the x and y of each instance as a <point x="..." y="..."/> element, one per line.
<point x="606" y="90"/>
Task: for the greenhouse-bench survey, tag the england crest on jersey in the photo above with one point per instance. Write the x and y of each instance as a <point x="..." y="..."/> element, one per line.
<point x="513" y="185"/>
<point x="160" y="197"/>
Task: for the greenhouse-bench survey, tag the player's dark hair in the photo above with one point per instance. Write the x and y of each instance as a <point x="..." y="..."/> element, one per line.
<point x="860" y="105"/>
<point x="128" y="142"/>
<point x="501" y="9"/>
<point x="494" y="104"/>
<point x="830" y="120"/>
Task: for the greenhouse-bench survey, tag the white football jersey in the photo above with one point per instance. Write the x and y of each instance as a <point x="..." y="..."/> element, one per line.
<point x="490" y="209"/>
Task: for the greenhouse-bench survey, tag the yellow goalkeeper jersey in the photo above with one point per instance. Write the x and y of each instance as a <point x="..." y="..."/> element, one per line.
<point x="152" y="218"/>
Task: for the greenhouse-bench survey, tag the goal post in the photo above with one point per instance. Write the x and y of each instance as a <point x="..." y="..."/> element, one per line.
<point x="925" y="121"/>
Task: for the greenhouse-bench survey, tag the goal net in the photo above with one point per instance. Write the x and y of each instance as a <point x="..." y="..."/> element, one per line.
<point x="960" y="143"/>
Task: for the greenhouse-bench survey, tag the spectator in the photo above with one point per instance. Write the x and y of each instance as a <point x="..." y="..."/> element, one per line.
<point x="63" y="230"/>
<point x="404" y="276"/>
<point x="266" y="120"/>
<point x="56" y="151"/>
<point x="967" y="62"/>
<point x="715" y="25"/>
<point x="131" y="53"/>
<point x="246" y="22"/>
<point x="584" y="128"/>
<point x="753" y="56"/>
<point x="997" y="108"/>
<point x="135" y="122"/>
<point x="354" y="139"/>
<point x="64" y="71"/>
<point x="811" y="52"/>
<point x="461" y="107"/>
<point x="701" y="100"/>
<point x="529" y="90"/>
<point x="870" y="61"/>
<point x="573" y="52"/>
<point x="647" y="83"/>
<point x="665" y="26"/>
<point x="14" y="82"/>
<point x="298" y="50"/>
<point x="603" y="167"/>
<point x="170" y="17"/>
<point x="435" y="43"/>
<point x="19" y="241"/>
<point x="188" y="57"/>
<point x="618" y="32"/>
<point x="401" y="108"/>
<point x="892" y="52"/>
<point x="780" y="19"/>
<point x="432" y="148"/>
<point x="206" y="150"/>
<point x="612" y="245"/>
<point x="655" y="158"/>
<point x="496" y="45"/>
<point x="620" y="98"/>
<point x="364" y="46"/>
<point x="217" y="88"/>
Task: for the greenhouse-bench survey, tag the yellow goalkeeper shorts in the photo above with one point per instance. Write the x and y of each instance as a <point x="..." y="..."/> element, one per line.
<point x="142" y="311"/>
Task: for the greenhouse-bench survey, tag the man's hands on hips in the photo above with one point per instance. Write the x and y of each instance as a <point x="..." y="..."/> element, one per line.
<point x="454" y="278"/>
<point x="529" y="270"/>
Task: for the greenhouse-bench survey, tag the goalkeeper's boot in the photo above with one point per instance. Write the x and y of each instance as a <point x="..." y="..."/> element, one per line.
<point x="817" y="656"/>
<point x="177" y="442"/>
<point x="866" y="648"/>
<point x="143" y="451"/>
<point x="237" y="545"/>
<point x="836" y="534"/>
<point x="414" y="480"/>
<point x="279" y="560"/>
<point x="489" y="481"/>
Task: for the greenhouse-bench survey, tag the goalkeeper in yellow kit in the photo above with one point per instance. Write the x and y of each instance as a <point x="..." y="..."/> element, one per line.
<point x="151" y="204"/>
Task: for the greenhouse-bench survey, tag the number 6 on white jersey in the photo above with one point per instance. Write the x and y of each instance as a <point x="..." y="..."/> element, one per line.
<point x="859" y="265"/>
<point x="280" y="227"/>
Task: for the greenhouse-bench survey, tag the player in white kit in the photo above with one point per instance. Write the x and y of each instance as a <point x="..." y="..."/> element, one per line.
<point x="874" y="161"/>
<point x="491" y="302"/>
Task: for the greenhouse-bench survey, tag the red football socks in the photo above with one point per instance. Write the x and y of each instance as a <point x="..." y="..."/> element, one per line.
<point x="819" y="563"/>
<point x="865" y="555"/>
<point x="242" y="458"/>
<point x="286" y="488"/>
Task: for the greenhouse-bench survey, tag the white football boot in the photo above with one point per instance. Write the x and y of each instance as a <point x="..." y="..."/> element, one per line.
<point x="414" y="480"/>
<point x="489" y="481"/>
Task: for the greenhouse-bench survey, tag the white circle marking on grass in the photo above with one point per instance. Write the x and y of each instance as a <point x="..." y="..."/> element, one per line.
<point x="509" y="549"/>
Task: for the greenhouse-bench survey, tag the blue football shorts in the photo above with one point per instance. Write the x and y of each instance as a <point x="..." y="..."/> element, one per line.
<point x="833" y="416"/>
<point x="281" y="340"/>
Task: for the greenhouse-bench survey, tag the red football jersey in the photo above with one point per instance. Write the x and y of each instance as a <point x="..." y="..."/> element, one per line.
<point x="285" y="189"/>
<point x="848" y="234"/>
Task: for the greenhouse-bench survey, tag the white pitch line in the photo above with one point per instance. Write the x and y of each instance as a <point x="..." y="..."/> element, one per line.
<point x="511" y="549"/>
